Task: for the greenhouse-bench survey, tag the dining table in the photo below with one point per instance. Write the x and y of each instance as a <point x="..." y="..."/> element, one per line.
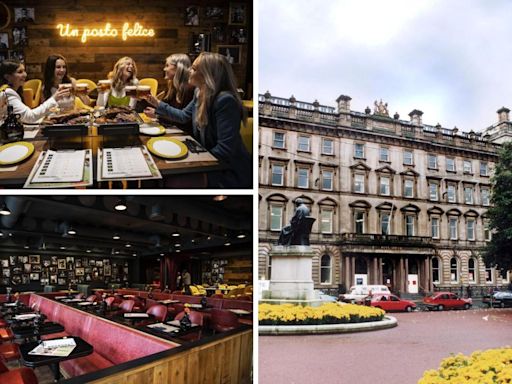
<point x="191" y="168"/>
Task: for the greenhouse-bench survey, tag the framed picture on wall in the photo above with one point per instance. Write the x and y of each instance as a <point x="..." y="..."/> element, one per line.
<point x="23" y="259"/>
<point x="46" y="263"/>
<point x="237" y="14"/>
<point x="238" y="36"/>
<point x="27" y="268"/>
<point x="36" y="268"/>
<point x="12" y="260"/>
<point x="54" y="260"/>
<point x="4" y="40"/>
<point x="214" y="13"/>
<point x="62" y="264"/>
<point x="192" y="15"/>
<point x="35" y="259"/>
<point x="17" y="54"/>
<point x="107" y="270"/>
<point x="25" y="279"/>
<point x="53" y="279"/>
<point x="24" y="15"/>
<point x="79" y="271"/>
<point x="232" y="52"/>
<point x="6" y="272"/>
<point x="5" y="263"/>
<point x="34" y="276"/>
<point x="45" y="281"/>
<point x="19" y="37"/>
<point x="61" y="281"/>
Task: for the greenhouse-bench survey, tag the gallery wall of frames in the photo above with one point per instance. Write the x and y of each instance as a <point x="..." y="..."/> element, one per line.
<point x="29" y="31"/>
<point x="30" y="272"/>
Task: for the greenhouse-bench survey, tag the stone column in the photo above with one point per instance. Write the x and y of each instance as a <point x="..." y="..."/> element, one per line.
<point x="352" y="269"/>
<point x="406" y="280"/>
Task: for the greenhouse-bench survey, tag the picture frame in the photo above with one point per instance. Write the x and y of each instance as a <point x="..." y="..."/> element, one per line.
<point x="238" y="36"/>
<point x="53" y="279"/>
<point x="17" y="54"/>
<point x="19" y="36"/>
<point x="44" y="281"/>
<point x="107" y="271"/>
<point x="61" y="264"/>
<point x="23" y="259"/>
<point x="61" y="281"/>
<point x="27" y="268"/>
<point x="34" y="259"/>
<point x="4" y="40"/>
<point x="237" y="14"/>
<point x="6" y="272"/>
<point x="79" y="272"/>
<point x="232" y="52"/>
<point x="36" y="268"/>
<point x="5" y="263"/>
<point x="24" y="15"/>
<point x="46" y="263"/>
<point x="16" y="279"/>
<point x="34" y="276"/>
<point x="214" y="13"/>
<point x="200" y="43"/>
<point x="12" y="260"/>
<point x="192" y="15"/>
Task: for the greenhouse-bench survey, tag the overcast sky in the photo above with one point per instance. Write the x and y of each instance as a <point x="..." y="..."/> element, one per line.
<point x="451" y="59"/>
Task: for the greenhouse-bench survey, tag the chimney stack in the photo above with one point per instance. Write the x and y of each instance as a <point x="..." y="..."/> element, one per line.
<point x="415" y="116"/>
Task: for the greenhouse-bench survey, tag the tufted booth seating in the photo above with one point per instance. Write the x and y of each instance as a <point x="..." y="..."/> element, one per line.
<point x="195" y="318"/>
<point x="92" y="298"/>
<point x="17" y="376"/>
<point x="126" y="306"/>
<point x="159" y="311"/>
<point x="223" y="320"/>
<point x="9" y="351"/>
<point x="113" y="343"/>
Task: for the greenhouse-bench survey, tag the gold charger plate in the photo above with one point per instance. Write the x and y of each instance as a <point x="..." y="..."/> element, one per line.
<point x="16" y="152"/>
<point x="167" y="147"/>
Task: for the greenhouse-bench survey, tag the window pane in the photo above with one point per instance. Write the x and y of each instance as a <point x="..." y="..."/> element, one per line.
<point x="454" y="273"/>
<point x="304" y="143"/>
<point x="485" y="196"/>
<point x="435" y="227"/>
<point x="327" y="147"/>
<point x="277" y="174"/>
<point x="471" y="269"/>
<point x="326" y="221"/>
<point x="432" y="161"/>
<point x="453" y="229"/>
<point x="303" y="178"/>
<point x="359" y="222"/>
<point x="325" y="269"/>
<point x="276" y="213"/>
<point x="409" y="188"/>
<point x="327" y="180"/>
<point x="470" y="230"/>
<point x="384" y="185"/>
<point x="409" y="225"/>
<point x="483" y="169"/>
<point x="408" y="159"/>
<point x="450" y="164"/>
<point x="433" y="191"/>
<point x="359" y="150"/>
<point x="468" y="195"/>
<point x="467" y="166"/>
<point x="278" y="140"/>
<point x="451" y="194"/>
<point x="384" y="224"/>
<point x="384" y="154"/>
<point x="435" y="270"/>
<point x="359" y="183"/>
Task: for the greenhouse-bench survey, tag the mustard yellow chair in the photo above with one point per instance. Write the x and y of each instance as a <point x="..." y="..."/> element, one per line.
<point x="194" y="291"/>
<point x="246" y="133"/>
<point x="32" y="92"/>
<point x="91" y="86"/>
<point x="79" y="104"/>
<point x="201" y="289"/>
<point x="153" y="83"/>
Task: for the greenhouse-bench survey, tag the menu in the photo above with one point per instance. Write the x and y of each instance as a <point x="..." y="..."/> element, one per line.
<point x="26" y="316"/>
<point x="57" y="347"/>
<point x="124" y="163"/>
<point x="61" y="166"/>
<point x="163" y="327"/>
<point x="136" y="315"/>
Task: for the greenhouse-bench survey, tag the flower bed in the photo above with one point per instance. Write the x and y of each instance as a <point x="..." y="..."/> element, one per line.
<point x="493" y="366"/>
<point x="330" y="313"/>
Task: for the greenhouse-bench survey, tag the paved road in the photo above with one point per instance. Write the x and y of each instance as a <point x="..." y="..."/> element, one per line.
<point x="394" y="356"/>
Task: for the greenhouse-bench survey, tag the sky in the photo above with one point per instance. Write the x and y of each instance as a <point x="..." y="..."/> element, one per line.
<point x="451" y="59"/>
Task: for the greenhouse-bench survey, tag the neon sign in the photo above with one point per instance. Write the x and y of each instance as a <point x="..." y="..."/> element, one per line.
<point x="138" y="30"/>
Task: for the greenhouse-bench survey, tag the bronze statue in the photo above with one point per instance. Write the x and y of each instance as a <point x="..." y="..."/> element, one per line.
<point x="297" y="232"/>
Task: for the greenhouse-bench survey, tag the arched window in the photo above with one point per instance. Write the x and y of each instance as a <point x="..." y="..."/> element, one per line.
<point x="472" y="270"/>
<point x="325" y="269"/>
<point x="454" y="270"/>
<point x="436" y="270"/>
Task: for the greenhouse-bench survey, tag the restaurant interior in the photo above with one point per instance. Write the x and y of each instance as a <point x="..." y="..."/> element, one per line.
<point x="92" y="35"/>
<point x="136" y="289"/>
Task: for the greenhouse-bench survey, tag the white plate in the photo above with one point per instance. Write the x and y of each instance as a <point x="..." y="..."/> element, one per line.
<point x="151" y="130"/>
<point x="15" y="152"/>
<point x="167" y="148"/>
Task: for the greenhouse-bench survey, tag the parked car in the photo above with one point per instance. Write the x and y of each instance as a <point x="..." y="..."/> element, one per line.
<point x="446" y="300"/>
<point x="500" y="299"/>
<point x="390" y="303"/>
<point x="358" y="293"/>
<point x="325" y="297"/>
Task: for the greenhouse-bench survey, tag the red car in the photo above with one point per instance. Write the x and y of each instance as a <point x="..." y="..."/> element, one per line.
<point x="389" y="302"/>
<point x="442" y="300"/>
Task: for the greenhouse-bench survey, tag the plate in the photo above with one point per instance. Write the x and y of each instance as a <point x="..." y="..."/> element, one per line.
<point x="167" y="147"/>
<point x="151" y="130"/>
<point x="13" y="153"/>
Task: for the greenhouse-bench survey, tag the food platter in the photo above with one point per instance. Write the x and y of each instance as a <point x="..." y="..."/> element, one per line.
<point x="167" y="147"/>
<point x="16" y="152"/>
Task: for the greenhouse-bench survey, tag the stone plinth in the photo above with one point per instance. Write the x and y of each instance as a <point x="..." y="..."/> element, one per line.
<point x="291" y="278"/>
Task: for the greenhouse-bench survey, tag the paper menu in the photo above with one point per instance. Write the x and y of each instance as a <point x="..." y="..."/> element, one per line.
<point x="59" y="347"/>
<point x="61" y="166"/>
<point x="124" y="163"/>
<point x="136" y="315"/>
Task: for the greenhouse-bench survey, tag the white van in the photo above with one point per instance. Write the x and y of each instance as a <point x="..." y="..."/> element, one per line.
<point x="357" y="293"/>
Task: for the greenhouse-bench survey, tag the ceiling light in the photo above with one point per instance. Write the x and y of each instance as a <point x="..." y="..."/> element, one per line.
<point x="134" y="254"/>
<point x="128" y="245"/>
<point x="116" y="252"/>
<point x="161" y="254"/>
<point x="71" y="231"/>
<point x="241" y="235"/>
<point x="26" y="247"/>
<point x="227" y="243"/>
<point x="1" y="234"/>
<point x="178" y="250"/>
<point x="5" y="211"/>
<point x="175" y="234"/>
<point x="209" y="238"/>
<point x="219" y="198"/>
<point x="120" y="204"/>
<point x="62" y="247"/>
<point x="88" y="251"/>
<point x="177" y="245"/>
<point x="116" y="236"/>
<point x="193" y="240"/>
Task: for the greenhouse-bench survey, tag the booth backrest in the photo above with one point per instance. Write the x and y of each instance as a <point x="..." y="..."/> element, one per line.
<point x="114" y="342"/>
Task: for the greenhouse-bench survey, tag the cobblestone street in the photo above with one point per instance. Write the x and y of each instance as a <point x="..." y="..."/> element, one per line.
<point x="394" y="356"/>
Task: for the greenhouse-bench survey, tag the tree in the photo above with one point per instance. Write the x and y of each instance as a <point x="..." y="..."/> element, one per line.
<point x="499" y="249"/>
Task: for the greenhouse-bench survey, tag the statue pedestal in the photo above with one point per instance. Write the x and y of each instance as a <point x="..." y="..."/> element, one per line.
<point x="291" y="277"/>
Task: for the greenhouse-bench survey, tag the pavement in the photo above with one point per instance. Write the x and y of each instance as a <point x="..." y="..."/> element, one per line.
<point x="394" y="356"/>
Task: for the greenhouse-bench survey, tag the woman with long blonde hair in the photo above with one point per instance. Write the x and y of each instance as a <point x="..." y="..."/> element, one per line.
<point x="123" y="74"/>
<point x="179" y="91"/>
<point x="216" y="114"/>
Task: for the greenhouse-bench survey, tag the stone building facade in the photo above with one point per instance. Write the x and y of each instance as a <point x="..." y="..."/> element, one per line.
<point x="396" y="202"/>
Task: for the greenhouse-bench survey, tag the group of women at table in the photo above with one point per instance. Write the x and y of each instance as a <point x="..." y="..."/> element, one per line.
<point x="201" y="98"/>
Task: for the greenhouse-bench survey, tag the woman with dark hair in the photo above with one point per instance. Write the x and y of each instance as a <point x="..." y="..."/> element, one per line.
<point x="216" y="114"/>
<point x="12" y="73"/>
<point x="55" y="74"/>
<point x="179" y="91"/>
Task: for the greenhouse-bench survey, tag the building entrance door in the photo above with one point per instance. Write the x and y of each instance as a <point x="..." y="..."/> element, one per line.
<point x="388" y="273"/>
<point x="412" y="277"/>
